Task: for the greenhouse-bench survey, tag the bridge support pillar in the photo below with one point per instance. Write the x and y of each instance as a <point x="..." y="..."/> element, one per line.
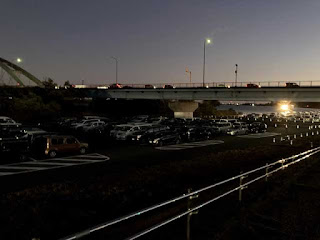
<point x="183" y="109"/>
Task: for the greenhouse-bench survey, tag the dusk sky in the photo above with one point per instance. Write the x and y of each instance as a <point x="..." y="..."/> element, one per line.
<point x="155" y="40"/>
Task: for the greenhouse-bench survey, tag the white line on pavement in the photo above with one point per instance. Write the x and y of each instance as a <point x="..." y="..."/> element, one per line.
<point x="190" y="145"/>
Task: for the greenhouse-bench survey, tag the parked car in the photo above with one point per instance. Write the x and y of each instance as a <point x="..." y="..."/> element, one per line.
<point x="51" y="145"/>
<point x="125" y="131"/>
<point x="256" y="127"/>
<point x="139" y="119"/>
<point x="165" y="138"/>
<point x="240" y="124"/>
<point x="81" y="124"/>
<point x="238" y="130"/>
<point x="93" y="126"/>
<point x="12" y="148"/>
<point x="6" y="120"/>
<point x="156" y="120"/>
<point x="222" y="127"/>
<point x="198" y="133"/>
<point x="144" y="136"/>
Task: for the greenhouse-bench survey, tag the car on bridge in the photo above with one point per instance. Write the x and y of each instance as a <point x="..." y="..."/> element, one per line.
<point x="252" y="85"/>
<point x="149" y="86"/>
<point x="115" y="86"/>
<point x="292" y="85"/>
<point x="168" y="86"/>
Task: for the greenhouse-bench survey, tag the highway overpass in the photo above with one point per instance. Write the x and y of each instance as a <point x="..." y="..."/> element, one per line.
<point x="299" y="94"/>
<point x="183" y="100"/>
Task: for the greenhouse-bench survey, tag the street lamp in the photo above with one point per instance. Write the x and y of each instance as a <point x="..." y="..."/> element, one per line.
<point x="114" y="58"/>
<point x="206" y="42"/>
<point x="187" y="71"/>
<point x="18" y="60"/>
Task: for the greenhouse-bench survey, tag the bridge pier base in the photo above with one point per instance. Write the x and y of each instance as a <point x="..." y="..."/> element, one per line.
<point x="183" y="109"/>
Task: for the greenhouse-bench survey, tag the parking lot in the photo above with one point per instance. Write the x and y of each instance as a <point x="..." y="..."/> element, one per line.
<point x="72" y="136"/>
<point x="141" y="168"/>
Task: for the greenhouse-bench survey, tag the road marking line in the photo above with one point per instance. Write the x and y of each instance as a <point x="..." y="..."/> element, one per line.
<point x="259" y="135"/>
<point x="22" y="168"/>
<point x="190" y="145"/>
<point x="50" y="163"/>
<point x="53" y="163"/>
<point x="73" y="160"/>
<point x="6" y="173"/>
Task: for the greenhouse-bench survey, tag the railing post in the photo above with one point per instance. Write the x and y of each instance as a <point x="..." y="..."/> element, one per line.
<point x="191" y="213"/>
<point x="267" y="172"/>
<point x="241" y="187"/>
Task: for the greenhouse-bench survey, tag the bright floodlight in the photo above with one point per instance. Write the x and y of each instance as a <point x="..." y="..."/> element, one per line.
<point x="208" y="41"/>
<point x="19" y="60"/>
<point x="284" y="107"/>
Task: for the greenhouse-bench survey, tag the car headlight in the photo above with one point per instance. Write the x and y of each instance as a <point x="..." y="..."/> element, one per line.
<point x="156" y="140"/>
<point x="138" y="137"/>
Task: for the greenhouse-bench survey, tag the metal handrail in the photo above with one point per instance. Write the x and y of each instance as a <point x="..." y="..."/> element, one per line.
<point x="216" y="198"/>
<point x="156" y="206"/>
<point x="305" y="83"/>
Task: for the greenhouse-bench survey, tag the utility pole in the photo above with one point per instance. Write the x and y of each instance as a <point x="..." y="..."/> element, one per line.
<point x="187" y="71"/>
<point x="236" y="75"/>
<point x="114" y="58"/>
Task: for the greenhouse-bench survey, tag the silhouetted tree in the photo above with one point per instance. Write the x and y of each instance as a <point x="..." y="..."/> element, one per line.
<point x="49" y="83"/>
<point x="67" y="84"/>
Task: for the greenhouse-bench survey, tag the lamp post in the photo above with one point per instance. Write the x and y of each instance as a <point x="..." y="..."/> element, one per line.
<point x="116" y="68"/>
<point x="236" y="75"/>
<point x="206" y="41"/>
<point x="187" y="71"/>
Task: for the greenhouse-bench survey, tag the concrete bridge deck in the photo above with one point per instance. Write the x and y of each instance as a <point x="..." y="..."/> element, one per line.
<point x="301" y="94"/>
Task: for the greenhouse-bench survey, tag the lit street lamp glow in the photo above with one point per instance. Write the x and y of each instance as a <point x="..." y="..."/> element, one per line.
<point x="19" y="60"/>
<point x="284" y="107"/>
